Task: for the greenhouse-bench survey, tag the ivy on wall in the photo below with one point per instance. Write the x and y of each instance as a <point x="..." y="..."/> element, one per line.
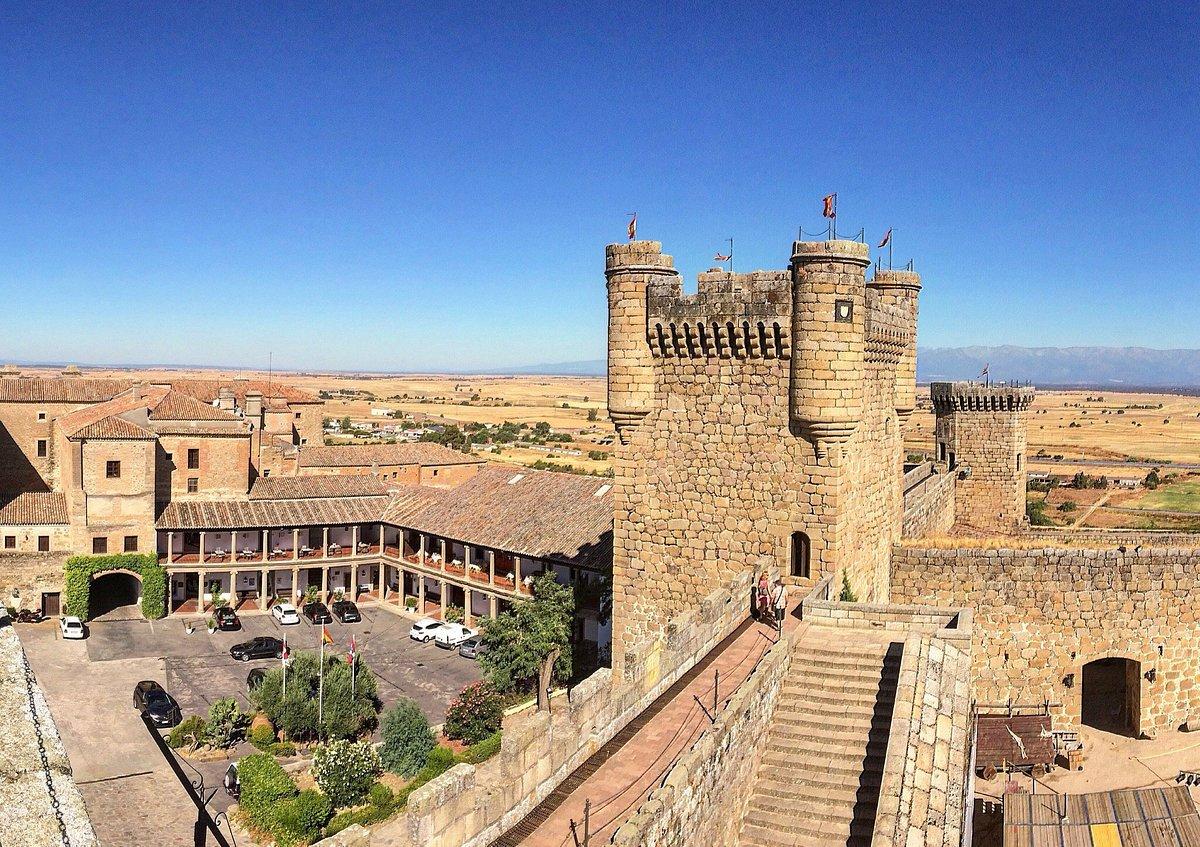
<point x="80" y="570"/>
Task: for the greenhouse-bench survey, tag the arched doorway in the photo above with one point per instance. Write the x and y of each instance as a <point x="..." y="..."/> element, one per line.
<point x="1112" y="695"/>
<point x="115" y="596"/>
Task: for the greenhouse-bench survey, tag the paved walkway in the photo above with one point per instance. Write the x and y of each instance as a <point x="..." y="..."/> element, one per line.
<point x="619" y="785"/>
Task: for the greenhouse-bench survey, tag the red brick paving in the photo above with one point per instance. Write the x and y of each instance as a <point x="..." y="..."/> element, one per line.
<point x="620" y="785"/>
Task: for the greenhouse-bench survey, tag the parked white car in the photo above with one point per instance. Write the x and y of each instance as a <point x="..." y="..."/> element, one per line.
<point x="71" y="627"/>
<point x="425" y="629"/>
<point x="451" y="635"/>
<point x="285" y="613"/>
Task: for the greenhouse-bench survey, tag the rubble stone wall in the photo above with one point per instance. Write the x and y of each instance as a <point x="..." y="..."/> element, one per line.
<point x="929" y="506"/>
<point x="1042" y="613"/>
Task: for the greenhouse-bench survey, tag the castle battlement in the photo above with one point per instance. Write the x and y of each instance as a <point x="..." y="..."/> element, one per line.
<point x="978" y="397"/>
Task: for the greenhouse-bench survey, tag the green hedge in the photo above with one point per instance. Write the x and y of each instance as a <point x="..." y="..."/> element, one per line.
<point x="81" y="569"/>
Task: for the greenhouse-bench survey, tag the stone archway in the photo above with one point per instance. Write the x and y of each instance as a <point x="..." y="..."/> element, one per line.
<point x="1111" y="695"/>
<point x="116" y="596"/>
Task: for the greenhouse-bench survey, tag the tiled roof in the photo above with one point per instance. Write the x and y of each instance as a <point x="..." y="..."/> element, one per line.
<point x="367" y="455"/>
<point x="114" y="428"/>
<point x="207" y="389"/>
<point x="178" y="406"/>
<point x="34" y="508"/>
<point x="545" y="514"/>
<point x="245" y="514"/>
<point x="60" y="389"/>
<point x="200" y="428"/>
<point x="300" y="487"/>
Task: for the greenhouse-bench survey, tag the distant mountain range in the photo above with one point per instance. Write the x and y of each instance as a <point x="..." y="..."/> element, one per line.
<point x="1113" y="367"/>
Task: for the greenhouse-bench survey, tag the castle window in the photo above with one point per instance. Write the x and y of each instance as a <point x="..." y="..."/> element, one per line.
<point x="733" y="340"/>
<point x="762" y="339"/>
<point x="112" y="469"/>
<point x="41" y="448"/>
<point x="778" y="339"/>
<point x="99" y="545"/>
<point x="41" y="416"/>
<point x="297" y="416"/>
<point x="703" y="338"/>
<point x="193" y="458"/>
<point x="747" y="339"/>
<point x="193" y="484"/>
<point x="801" y="552"/>
<point x="716" y="328"/>
<point x="1018" y="461"/>
<point x="662" y="342"/>
<point x="43" y="543"/>
<point x="10" y="541"/>
<point x="941" y="451"/>
<point x="689" y="340"/>
<point x="131" y="543"/>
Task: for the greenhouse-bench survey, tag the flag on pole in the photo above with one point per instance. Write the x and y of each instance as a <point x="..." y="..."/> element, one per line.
<point x="284" y="654"/>
<point x="985" y="369"/>
<point x="632" y="226"/>
<point x="830" y="210"/>
<point x="720" y="258"/>
<point x="326" y="638"/>
<point x="353" y="650"/>
<point x="886" y="238"/>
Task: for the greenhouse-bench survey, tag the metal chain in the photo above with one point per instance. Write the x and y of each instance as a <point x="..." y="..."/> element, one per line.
<point x="37" y="729"/>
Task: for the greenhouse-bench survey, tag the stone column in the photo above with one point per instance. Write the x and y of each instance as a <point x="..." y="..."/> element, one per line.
<point x="491" y="557"/>
<point x="382" y="579"/>
<point x="324" y="542"/>
<point x="203" y="576"/>
<point x="516" y="573"/>
<point x="467" y="618"/>
<point x="266" y="545"/>
<point x="233" y="588"/>
<point x="354" y="581"/>
<point x="170" y="547"/>
<point x="324" y="581"/>
<point x="443" y="597"/>
<point x="202" y="534"/>
<point x="442" y="550"/>
<point x="263" y="593"/>
<point x="295" y="543"/>
<point x="421" y="594"/>
<point x="421" y="552"/>
<point x="491" y="605"/>
<point x="296" y="593"/>
<point x="354" y="540"/>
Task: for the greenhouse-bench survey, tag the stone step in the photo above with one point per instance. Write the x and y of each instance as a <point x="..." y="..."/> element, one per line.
<point x="803" y="725"/>
<point x="831" y="712"/>
<point x="804" y="685"/>
<point x="870" y="779"/>
<point x="840" y="661"/>
<point x="782" y="771"/>
<point x="787" y="823"/>
<point x="793" y="697"/>
<point x="848" y="733"/>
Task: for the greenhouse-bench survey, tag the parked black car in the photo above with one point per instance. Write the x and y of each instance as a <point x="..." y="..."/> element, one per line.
<point x="227" y="618"/>
<point x="346" y="612"/>
<point x="255" y="678"/>
<point x="152" y="700"/>
<point x="317" y="613"/>
<point x="262" y="647"/>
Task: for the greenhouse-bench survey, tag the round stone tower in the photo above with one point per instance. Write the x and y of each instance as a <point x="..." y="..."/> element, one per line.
<point x="828" y="339"/>
<point x="630" y="269"/>
<point x="901" y="289"/>
<point x="980" y="431"/>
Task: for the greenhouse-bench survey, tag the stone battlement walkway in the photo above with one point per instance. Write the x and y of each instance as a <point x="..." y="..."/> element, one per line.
<point x="622" y="773"/>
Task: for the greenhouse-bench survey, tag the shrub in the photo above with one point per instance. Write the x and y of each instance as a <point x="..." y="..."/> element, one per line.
<point x="188" y="733"/>
<point x="454" y="614"/>
<point x="345" y="770"/>
<point x="381" y="796"/>
<point x="475" y="714"/>
<point x="847" y="595"/>
<point x="410" y="602"/>
<point x="264" y="784"/>
<point x="262" y="737"/>
<point x="346" y="715"/>
<point x="299" y="820"/>
<point x="483" y="750"/>
<point x="226" y="723"/>
<point x="382" y="804"/>
<point x="407" y="738"/>
<point x="440" y="759"/>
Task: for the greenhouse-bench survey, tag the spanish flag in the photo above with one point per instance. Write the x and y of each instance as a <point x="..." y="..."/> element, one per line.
<point x="325" y="636"/>
<point x="886" y="239"/>
<point x="633" y="226"/>
<point x="830" y="210"/>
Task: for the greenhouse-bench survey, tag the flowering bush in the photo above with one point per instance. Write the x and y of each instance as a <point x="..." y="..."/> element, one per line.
<point x="475" y="714"/>
<point x="344" y="770"/>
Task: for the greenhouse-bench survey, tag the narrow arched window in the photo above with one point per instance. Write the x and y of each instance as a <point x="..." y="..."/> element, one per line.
<point x="801" y="553"/>
<point x="763" y="349"/>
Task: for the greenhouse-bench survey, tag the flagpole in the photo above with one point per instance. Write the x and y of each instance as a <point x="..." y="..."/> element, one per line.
<point x="283" y="662"/>
<point x="731" y="255"/>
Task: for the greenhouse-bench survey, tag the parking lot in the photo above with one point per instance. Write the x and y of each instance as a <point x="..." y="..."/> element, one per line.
<point x="121" y="772"/>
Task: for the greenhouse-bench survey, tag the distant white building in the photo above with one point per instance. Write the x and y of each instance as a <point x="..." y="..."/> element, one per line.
<point x="381" y="413"/>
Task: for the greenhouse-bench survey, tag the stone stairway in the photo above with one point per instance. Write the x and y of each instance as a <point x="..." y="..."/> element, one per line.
<point x="818" y="782"/>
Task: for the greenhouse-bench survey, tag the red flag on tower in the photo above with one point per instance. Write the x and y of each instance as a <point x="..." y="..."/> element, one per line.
<point x="720" y="258"/>
<point x="633" y="226"/>
<point x="886" y="238"/>
<point x="830" y="210"/>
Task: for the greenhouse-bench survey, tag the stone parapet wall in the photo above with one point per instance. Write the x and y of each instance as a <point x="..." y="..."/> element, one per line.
<point x="819" y="607"/>
<point x="1042" y="613"/>
<point x="1111" y="537"/>
<point x="469" y="806"/>
<point x="703" y="797"/>
<point x="41" y="802"/>
<point x="24" y="577"/>
<point x="926" y="783"/>
<point x="929" y="505"/>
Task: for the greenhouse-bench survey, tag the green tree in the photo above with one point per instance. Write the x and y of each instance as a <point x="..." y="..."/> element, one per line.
<point x="407" y="738"/>
<point x="345" y="423"/>
<point x="847" y="595"/>
<point x="1152" y="479"/>
<point x="347" y="713"/>
<point x="592" y="415"/>
<point x="346" y="770"/>
<point x="226" y="723"/>
<point x="530" y="643"/>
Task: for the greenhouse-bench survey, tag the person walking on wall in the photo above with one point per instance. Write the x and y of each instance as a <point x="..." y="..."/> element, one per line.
<point x="764" y="597"/>
<point x="779" y="599"/>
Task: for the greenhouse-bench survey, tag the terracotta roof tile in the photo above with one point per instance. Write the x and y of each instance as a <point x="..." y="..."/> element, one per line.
<point x="113" y="428"/>
<point x="231" y="429"/>
<point x="61" y="389"/>
<point x="367" y="455"/>
<point x="301" y="487"/>
<point x="244" y="514"/>
<point x="207" y="389"/>
<point x="34" y="508"/>
<point x="178" y="406"/>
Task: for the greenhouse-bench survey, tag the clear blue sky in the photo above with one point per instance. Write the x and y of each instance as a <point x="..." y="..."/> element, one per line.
<point x="425" y="186"/>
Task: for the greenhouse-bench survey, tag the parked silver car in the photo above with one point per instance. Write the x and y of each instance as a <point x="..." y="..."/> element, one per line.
<point x="472" y="648"/>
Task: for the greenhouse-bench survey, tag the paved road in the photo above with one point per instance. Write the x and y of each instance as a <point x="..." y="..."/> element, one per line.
<point x="122" y="773"/>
